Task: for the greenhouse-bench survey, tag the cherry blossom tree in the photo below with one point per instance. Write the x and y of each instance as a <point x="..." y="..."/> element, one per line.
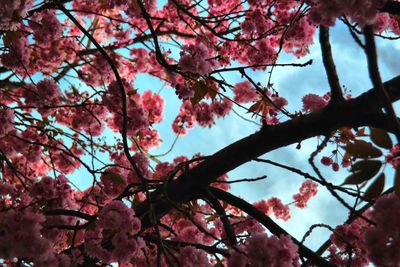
<point x="69" y="104"/>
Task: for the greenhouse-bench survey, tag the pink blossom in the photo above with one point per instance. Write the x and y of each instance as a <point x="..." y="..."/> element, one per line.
<point x="394" y="156"/>
<point x="349" y="237"/>
<point x="196" y="59"/>
<point x="42" y="33"/>
<point x="193" y="257"/>
<point x="244" y="92"/>
<point x="361" y="11"/>
<point x="46" y="94"/>
<point x="203" y="114"/>
<point x="89" y="118"/>
<point x="12" y="12"/>
<point x="262" y="251"/>
<point x="117" y="216"/>
<point x="280" y="210"/>
<point x="6" y="121"/>
<point x="153" y="104"/>
<point x="185" y="119"/>
<point x="279" y="102"/>
<point x="148" y="139"/>
<point x="18" y="56"/>
<point x="21" y="237"/>
<point x="383" y="240"/>
<point x="307" y="190"/>
<point x="221" y="108"/>
<point x="97" y="73"/>
<point x="313" y="103"/>
<point x="137" y="118"/>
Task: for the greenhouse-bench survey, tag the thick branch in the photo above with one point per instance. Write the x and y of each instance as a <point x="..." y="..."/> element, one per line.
<point x="74" y="213"/>
<point x="230" y="233"/>
<point x="353" y="113"/>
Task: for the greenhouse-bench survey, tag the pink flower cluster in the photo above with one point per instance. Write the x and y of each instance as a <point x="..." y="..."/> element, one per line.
<point x="44" y="34"/>
<point x="136" y="116"/>
<point x="382" y="241"/>
<point x="153" y="104"/>
<point x="12" y="12"/>
<point x="260" y="250"/>
<point x="65" y="159"/>
<point x="189" y="232"/>
<point x="394" y="156"/>
<point x="54" y="189"/>
<point x="325" y="12"/>
<point x="192" y="257"/>
<point x="299" y="37"/>
<point x="223" y="7"/>
<point x="18" y="56"/>
<point x="57" y="194"/>
<point x="202" y="113"/>
<point x="119" y="221"/>
<point x="148" y="139"/>
<point x="256" y="23"/>
<point x="348" y="244"/>
<point x="244" y="92"/>
<point x="182" y="89"/>
<point x="89" y="118"/>
<point x="263" y="52"/>
<point x="196" y="59"/>
<point x="6" y="121"/>
<point x="98" y="72"/>
<point x="44" y="96"/>
<point x="274" y="205"/>
<point x="20" y="236"/>
<point x="221" y="108"/>
<point x="313" y="102"/>
<point x="307" y="190"/>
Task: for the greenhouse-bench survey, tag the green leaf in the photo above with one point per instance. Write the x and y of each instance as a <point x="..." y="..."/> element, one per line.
<point x="114" y="178"/>
<point x="376" y="188"/>
<point x="381" y="138"/>
<point x="363" y="171"/>
<point x="212" y="92"/>
<point x="397" y="181"/>
<point x="255" y="108"/>
<point x="355" y="178"/>
<point x="366" y="165"/>
<point x="362" y="149"/>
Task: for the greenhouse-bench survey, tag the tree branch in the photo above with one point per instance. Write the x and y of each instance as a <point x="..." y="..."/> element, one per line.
<point x="329" y="64"/>
<point x="269" y="224"/>
<point x="373" y="68"/>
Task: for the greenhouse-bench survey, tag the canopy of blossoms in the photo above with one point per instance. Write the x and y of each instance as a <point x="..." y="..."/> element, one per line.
<point x="67" y="84"/>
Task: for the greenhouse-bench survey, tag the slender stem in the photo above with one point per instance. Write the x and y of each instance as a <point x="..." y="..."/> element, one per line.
<point x="329" y="64"/>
